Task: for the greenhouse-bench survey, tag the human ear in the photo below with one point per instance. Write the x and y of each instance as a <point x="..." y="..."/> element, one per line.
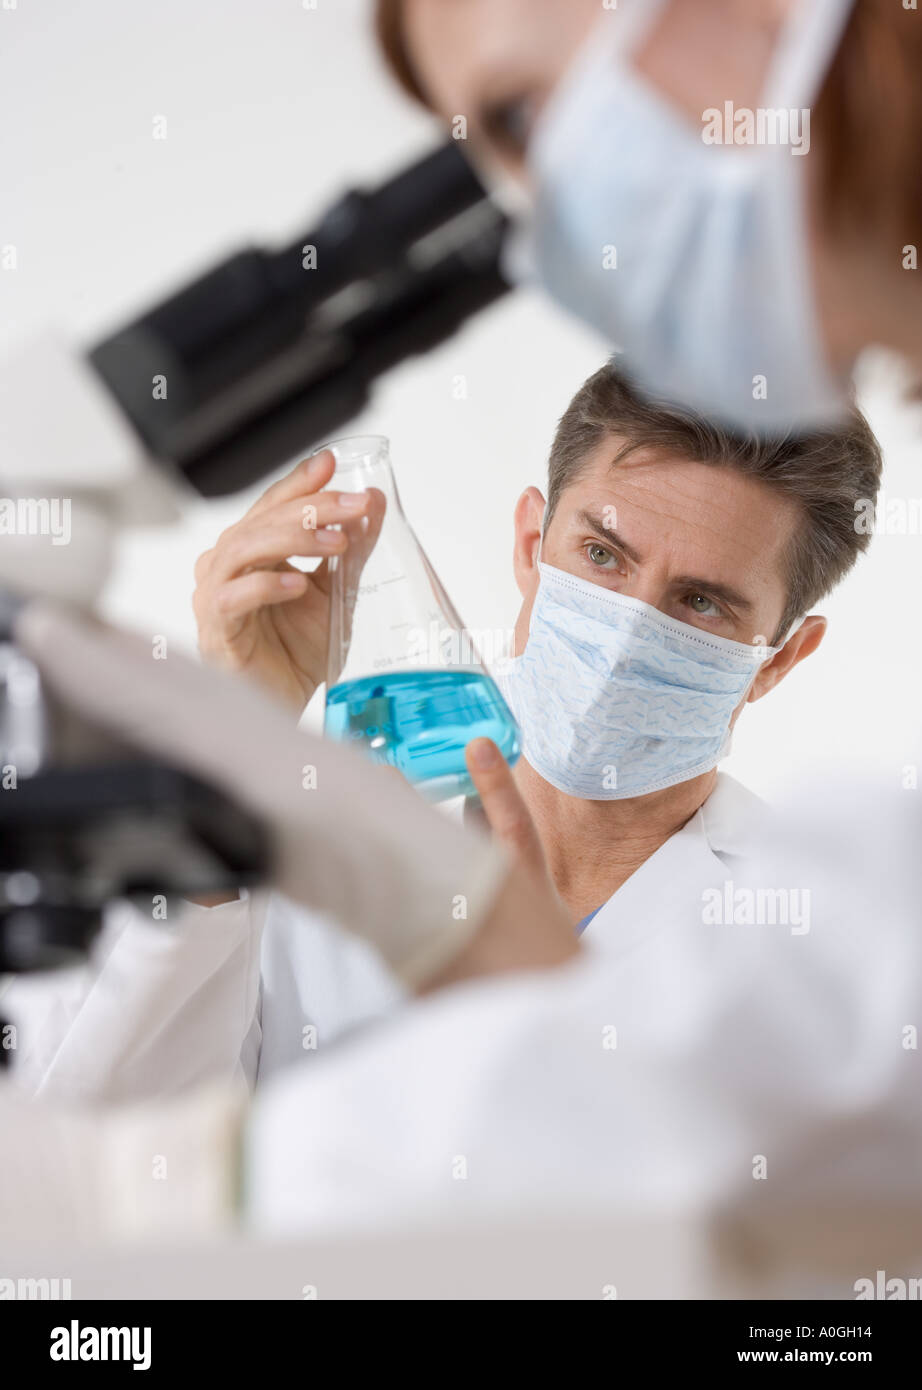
<point x="529" y="513"/>
<point x="801" y="643"/>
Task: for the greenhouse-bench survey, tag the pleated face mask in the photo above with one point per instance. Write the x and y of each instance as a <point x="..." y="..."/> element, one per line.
<point x="614" y="699"/>
<point x="695" y="261"/>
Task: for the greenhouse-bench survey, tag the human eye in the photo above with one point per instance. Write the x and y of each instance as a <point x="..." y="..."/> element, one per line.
<point x="600" y="557"/>
<point x="704" y="607"/>
<point x="509" y="123"/>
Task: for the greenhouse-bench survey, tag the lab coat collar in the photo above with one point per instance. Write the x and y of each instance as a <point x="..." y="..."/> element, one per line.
<point x="667" y="888"/>
<point x="733" y="818"/>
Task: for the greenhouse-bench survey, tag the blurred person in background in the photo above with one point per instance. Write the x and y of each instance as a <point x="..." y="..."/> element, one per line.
<point x="727" y="191"/>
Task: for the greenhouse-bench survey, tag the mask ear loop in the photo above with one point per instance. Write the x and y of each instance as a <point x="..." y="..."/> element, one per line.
<point x="805" y="51"/>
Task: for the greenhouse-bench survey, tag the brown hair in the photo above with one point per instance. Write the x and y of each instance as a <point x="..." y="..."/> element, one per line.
<point x="825" y="473"/>
<point x="388" y="21"/>
<point x="868" y="117"/>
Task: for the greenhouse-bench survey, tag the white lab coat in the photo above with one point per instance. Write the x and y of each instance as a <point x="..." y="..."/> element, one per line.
<point x="680" y="1065"/>
<point x="763" y="1076"/>
<point x="253" y="986"/>
<point x="229" y="992"/>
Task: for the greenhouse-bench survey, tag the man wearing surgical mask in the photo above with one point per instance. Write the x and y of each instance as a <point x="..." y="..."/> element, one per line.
<point x="666" y="581"/>
<point x="727" y="191"/>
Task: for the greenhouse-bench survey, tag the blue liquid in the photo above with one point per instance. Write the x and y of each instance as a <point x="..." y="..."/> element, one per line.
<point x="421" y="721"/>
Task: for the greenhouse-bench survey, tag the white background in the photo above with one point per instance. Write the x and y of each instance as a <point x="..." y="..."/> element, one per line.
<point x="273" y="109"/>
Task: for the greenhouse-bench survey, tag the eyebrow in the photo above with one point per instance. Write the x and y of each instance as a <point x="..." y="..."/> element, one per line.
<point x="596" y="524"/>
<point x="731" y="596"/>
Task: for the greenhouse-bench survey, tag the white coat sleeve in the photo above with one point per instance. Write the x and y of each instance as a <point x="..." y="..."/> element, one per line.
<point x="348" y="842"/>
<point x="159" y="1008"/>
<point x="759" y="1069"/>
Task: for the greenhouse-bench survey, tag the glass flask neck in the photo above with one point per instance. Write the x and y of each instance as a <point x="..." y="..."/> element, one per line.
<point x="363" y="461"/>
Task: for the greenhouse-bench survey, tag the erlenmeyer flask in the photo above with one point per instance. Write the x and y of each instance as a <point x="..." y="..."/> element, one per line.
<point x="404" y="681"/>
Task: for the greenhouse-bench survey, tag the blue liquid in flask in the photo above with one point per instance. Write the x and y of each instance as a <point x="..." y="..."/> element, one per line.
<point x="421" y="721"/>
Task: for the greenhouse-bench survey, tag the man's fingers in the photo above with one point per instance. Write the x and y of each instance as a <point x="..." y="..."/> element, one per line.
<point x="299" y="527"/>
<point x="238" y="598"/>
<point x="505" y="811"/>
<point x="308" y="476"/>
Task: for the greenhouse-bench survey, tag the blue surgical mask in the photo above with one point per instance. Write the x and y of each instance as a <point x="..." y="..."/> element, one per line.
<point x="693" y="260"/>
<point x="615" y="699"/>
